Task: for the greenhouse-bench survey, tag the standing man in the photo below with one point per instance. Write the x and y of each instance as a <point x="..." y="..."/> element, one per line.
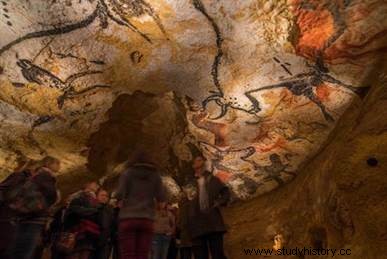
<point x="208" y="228"/>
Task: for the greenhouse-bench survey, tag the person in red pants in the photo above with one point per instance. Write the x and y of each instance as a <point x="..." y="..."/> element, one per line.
<point x="140" y="187"/>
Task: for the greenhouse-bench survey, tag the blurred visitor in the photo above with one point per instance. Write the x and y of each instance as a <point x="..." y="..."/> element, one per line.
<point x="140" y="187"/>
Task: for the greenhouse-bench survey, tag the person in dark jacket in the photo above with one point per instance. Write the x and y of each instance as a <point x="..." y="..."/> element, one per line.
<point x="140" y="188"/>
<point x="82" y="218"/>
<point x="55" y="229"/>
<point x="7" y="216"/>
<point x="30" y="226"/>
<point x="107" y="222"/>
<point x="207" y="227"/>
<point x="185" y="242"/>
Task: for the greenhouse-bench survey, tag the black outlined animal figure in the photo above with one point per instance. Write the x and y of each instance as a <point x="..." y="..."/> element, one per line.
<point x="218" y="96"/>
<point x="224" y="102"/>
<point x="301" y="84"/>
<point x="219" y="40"/>
<point x="275" y="169"/>
<point x="231" y="102"/>
<point x="304" y="84"/>
<point x="116" y="10"/>
<point x="225" y="159"/>
<point x="41" y="76"/>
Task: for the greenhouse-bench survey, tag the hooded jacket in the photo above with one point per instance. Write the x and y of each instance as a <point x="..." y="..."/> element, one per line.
<point x="139" y="188"/>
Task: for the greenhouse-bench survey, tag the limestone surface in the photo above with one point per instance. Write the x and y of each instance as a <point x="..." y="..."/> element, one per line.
<point x="256" y="85"/>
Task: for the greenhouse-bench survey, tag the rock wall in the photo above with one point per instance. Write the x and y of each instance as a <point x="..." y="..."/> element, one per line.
<point x="338" y="199"/>
<point x="260" y="83"/>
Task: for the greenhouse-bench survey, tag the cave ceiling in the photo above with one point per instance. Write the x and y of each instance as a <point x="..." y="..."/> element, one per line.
<point x="256" y="85"/>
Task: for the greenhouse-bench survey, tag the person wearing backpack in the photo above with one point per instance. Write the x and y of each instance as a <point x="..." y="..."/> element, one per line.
<point x="31" y="202"/>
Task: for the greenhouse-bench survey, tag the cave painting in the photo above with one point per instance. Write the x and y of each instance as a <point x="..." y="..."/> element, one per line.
<point x="36" y="74"/>
<point x="228" y="162"/>
<point x="218" y="129"/>
<point x="304" y="84"/>
<point x="322" y="26"/>
<point x="273" y="171"/>
<point x="4" y="9"/>
<point x="324" y="34"/>
<point x="119" y="11"/>
<point x="219" y="156"/>
<point x="284" y="65"/>
<point x="260" y="84"/>
<point x="218" y="95"/>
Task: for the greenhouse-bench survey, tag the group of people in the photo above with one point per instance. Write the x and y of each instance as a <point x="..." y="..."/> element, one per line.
<point x="135" y="221"/>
